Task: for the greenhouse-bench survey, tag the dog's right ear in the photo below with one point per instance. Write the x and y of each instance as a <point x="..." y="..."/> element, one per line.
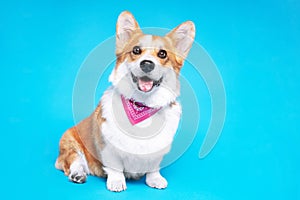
<point x="126" y="27"/>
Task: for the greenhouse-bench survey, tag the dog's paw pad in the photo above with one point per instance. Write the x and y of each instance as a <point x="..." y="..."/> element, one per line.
<point x="116" y="185"/>
<point x="157" y="182"/>
<point x="77" y="177"/>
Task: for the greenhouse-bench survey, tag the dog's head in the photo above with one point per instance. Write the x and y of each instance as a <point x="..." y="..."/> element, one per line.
<point x="148" y="66"/>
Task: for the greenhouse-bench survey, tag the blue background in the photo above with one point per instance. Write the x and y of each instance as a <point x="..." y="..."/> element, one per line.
<point x="255" y="45"/>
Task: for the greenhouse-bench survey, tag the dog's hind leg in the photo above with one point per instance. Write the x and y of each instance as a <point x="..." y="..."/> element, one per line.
<point x="79" y="170"/>
<point x="72" y="159"/>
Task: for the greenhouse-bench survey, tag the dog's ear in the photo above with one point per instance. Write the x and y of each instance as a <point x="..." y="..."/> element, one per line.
<point x="126" y="27"/>
<point x="182" y="38"/>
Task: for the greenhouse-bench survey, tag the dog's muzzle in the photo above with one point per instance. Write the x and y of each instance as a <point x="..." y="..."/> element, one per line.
<point x="144" y="83"/>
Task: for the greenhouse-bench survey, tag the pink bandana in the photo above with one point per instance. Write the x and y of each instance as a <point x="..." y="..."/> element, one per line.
<point x="137" y="112"/>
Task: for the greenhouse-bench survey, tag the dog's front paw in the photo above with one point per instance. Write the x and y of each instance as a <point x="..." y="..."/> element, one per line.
<point x="116" y="185"/>
<point x="115" y="180"/>
<point x="155" y="180"/>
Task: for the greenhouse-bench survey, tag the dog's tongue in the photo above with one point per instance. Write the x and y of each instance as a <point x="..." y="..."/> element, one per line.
<point x="145" y="86"/>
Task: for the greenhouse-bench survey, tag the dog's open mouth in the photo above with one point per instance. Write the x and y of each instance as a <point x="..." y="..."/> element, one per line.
<point x="144" y="83"/>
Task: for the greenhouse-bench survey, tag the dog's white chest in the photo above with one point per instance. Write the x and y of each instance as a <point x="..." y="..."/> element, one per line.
<point x="136" y="145"/>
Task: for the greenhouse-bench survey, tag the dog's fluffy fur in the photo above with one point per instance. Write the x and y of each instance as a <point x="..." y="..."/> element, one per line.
<point x="98" y="145"/>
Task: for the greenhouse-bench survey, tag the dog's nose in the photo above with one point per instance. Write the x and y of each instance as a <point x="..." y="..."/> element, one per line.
<point x="147" y="66"/>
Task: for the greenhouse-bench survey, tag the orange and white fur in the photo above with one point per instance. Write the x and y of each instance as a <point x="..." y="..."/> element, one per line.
<point x="97" y="145"/>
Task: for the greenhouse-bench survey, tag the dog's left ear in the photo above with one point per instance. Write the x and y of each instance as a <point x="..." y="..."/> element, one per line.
<point x="126" y="27"/>
<point x="182" y="38"/>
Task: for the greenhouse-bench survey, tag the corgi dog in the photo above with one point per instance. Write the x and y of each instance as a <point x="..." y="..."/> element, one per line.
<point x="134" y="124"/>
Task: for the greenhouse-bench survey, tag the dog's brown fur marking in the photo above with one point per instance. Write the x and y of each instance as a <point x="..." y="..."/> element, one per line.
<point x="77" y="139"/>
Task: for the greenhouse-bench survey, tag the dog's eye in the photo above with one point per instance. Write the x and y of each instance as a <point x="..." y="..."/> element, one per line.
<point x="136" y="50"/>
<point x="162" y="54"/>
